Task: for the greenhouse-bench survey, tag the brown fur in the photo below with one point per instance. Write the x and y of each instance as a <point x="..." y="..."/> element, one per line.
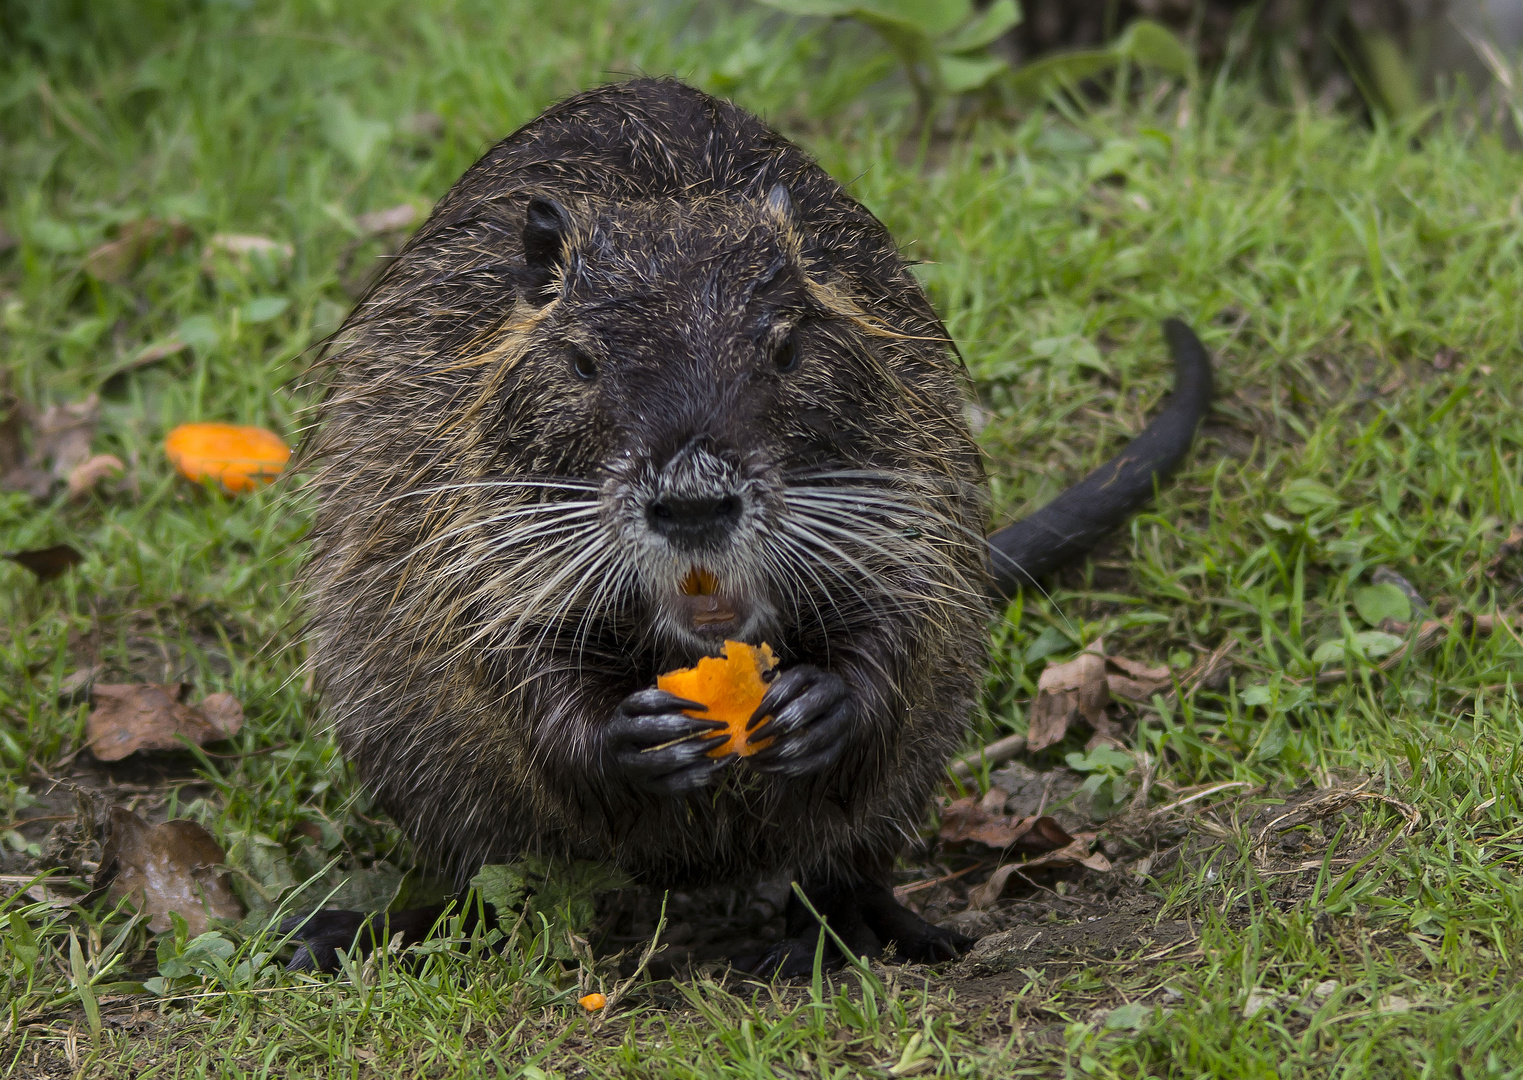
<point x="468" y="666"/>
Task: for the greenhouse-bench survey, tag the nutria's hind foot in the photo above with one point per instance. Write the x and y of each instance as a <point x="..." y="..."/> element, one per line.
<point x="791" y="958"/>
<point x="914" y="939"/>
<point x="867" y="919"/>
<point x="321" y="934"/>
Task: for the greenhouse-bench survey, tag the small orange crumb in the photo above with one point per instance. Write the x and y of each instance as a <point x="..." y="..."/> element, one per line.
<point x="592" y="1002"/>
<point x="238" y="458"/>
<point x="731" y="686"/>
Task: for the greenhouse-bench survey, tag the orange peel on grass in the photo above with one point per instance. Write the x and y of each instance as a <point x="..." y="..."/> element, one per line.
<point x="238" y="458"/>
<point x="732" y="687"/>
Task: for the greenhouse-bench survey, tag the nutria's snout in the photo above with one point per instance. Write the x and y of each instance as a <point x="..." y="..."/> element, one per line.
<point x="696" y="528"/>
<point x="695" y="522"/>
<point x="700" y="498"/>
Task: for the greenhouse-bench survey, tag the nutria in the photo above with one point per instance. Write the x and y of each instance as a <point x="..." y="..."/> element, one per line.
<point x="646" y="380"/>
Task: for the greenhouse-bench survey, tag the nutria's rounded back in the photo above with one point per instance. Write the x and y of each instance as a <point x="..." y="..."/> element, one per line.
<point x="646" y="380"/>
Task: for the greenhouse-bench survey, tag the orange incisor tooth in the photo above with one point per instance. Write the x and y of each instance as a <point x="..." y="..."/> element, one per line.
<point x="699" y="582"/>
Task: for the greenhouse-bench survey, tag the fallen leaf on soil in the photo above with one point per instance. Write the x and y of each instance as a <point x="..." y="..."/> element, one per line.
<point x="392" y="219"/>
<point x="63" y="433"/>
<point x="242" y="247"/>
<point x="173" y="867"/>
<point x="732" y="687"/>
<point x="1066" y="692"/>
<point x="60" y="442"/>
<point x="970" y="820"/>
<point x="128" y="717"/>
<point x="1075" y="853"/>
<point x="1128" y="1017"/>
<point x="90" y="472"/>
<point x="428" y="125"/>
<point x="116" y="259"/>
<point x="238" y="458"/>
<point x="47" y="563"/>
<point x="1139" y="682"/>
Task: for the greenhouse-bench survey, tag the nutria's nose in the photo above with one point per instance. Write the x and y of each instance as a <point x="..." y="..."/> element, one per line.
<point x="694" y="519"/>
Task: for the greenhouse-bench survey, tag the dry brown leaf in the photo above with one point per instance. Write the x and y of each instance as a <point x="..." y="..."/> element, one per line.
<point x="1133" y="689"/>
<point x="1075" y="853"/>
<point x="116" y="259"/>
<point x="224" y="712"/>
<point x="1138" y="682"/>
<point x="969" y="820"/>
<point x="60" y="442"/>
<point x="170" y="868"/>
<point x="428" y="125"/>
<point x="392" y="219"/>
<point x="128" y="717"/>
<point x="1138" y="670"/>
<point x="47" y="563"/>
<point x="1066" y="692"/>
<point x="61" y="437"/>
<point x="1107" y="733"/>
<point x="91" y="472"/>
<point x="29" y="481"/>
<point x="239" y="246"/>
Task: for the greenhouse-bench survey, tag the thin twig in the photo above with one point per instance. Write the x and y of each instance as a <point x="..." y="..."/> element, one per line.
<point x="901" y="891"/>
<point x="996" y="753"/>
<point x="1175" y="805"/>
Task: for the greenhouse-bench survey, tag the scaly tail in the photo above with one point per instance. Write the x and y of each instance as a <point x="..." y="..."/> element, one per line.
<point x="1073" y="523"/>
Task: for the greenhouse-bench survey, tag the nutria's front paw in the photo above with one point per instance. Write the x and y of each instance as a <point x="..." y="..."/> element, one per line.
<point x="659" y="747"/>
<point x="810" y="713"/>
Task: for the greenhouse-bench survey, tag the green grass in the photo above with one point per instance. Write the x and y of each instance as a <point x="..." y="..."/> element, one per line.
<point x="1361" y="289"/>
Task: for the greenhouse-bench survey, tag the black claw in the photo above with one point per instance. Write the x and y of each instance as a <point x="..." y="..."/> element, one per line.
<point x="791" y="958"/>
<point x="659" y="748"/>
<point x="808" y="713"/>
<point x="691" y="779"/>
<point x="651" y="701"/>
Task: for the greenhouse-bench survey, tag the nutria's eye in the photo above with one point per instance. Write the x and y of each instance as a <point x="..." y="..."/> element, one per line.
<point x="582" y="366"/>
<point x="786" y="356"/>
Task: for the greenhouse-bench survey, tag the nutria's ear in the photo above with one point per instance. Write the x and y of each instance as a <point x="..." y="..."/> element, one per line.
<point x="546" y="227"/>
<point x="779" y="205"/>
